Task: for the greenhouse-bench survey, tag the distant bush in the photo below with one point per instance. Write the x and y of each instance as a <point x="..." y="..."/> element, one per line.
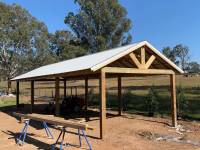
<point x="152" y="101"/>
<point x="127" y="97"/>
<point x="182" y="103"/>
<point x="93" y="99"/>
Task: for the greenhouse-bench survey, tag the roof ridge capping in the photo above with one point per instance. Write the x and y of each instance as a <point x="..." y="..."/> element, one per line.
<point x="129" y="50"/>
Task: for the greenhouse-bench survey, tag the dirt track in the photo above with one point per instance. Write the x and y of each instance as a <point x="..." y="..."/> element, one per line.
<point x="122" y="133"/>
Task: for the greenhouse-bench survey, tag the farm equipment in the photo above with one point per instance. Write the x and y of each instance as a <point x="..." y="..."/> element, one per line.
<point x="73" y="103"/>
<point x="69" y="104"/>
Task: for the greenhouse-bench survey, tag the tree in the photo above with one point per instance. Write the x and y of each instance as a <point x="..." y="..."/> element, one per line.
<point x="152" y="101"/>
<point x="182" y="102"/>
<point x="65" y="45"/>
<point x="100" y="24"/>
<point x="170" y="53"/>
<point x="182" y="52"/>
<point x="193" y="67"/>
<point x="23" y="42"/>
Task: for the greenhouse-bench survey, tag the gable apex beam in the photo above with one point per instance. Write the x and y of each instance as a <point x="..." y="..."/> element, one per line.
<point x="150" y="61"/>
<point x="135" y="60"/>
<point x="142" y="56"/>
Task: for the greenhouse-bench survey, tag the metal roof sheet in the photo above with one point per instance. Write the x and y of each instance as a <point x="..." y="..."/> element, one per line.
<point x="92" y="61"/>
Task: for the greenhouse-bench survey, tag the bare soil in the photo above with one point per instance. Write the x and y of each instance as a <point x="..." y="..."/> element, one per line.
<point x="127" y="132"/>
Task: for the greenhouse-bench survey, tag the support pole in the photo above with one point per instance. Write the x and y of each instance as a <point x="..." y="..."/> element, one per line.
<point x="102" y="104"/>
<point x="17" y="94"/>
<point x="119" y="96"/>
<point x="173" y="100"/>
<point x="65" y="93"/>
<point x="32" y="96"/>
<point x="57" y="96"/>
<point x="86" y="99"/>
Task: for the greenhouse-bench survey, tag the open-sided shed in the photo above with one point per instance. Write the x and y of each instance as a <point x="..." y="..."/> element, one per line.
<point x="131" y="60"/>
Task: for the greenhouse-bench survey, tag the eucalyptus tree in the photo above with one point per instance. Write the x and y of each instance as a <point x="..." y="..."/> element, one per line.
<point x="23" y="42"/>
<point x="100" y="24"/>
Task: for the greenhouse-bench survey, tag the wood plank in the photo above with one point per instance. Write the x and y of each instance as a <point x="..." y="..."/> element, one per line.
<point x="102" y="104"/>
<point x="173" y="100"/>
<point x="135" y="60"/>
<point x="57" y="96"/>
<point x="143" y="57"/>
<point x="137" y="71"/>
<point x="119" y="96"/>
<point x="150" y="61"/>
<point x="17" y="94"/>
<point x="54" y="120"/>
<point x="32" y="96"/>
<point x="86" y="99"/>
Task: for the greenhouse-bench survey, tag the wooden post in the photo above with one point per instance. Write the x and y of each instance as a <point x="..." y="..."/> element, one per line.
<point x="119" y="96"/>
<point x="57" y="96"/>
<point x="17" y="94"/>
<point x="65" y="93"/>
<point x="173" y="100"/>
<point x="32" y="96"/>
<point x="102" y="104"/>
<point x="86" y="99"/>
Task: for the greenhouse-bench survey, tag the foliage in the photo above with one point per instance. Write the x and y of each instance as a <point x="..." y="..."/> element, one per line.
<point x="152" y="101"/>
<point x="23" y="43"/>
<point x="65" y="45"/>
<point x="193" y="67"/>
<point x="100" y="24"/>
<point x="170" y="53"/>
<point x="178" y="54"/>
<point x="127" y="97"/>
<point x="182" y="53"/>
<point x="182" y="103"/>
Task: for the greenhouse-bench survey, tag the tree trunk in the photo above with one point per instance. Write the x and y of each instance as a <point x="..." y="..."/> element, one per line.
<point x="9" y="86"/>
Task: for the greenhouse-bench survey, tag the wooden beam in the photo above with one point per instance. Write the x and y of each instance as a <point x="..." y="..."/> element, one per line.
<point x="32" y="96"/>
<point x="150" y="61"/>
<point x="173" y="100"/>
<point x="57" y="96"/>
<point x="17" y="94"/>
<point x="143" y="57"/>
<point x="86" y="99"/>
<point x="65" y="87"/>
<point x="135" y="60"/>
<point x="102" y="104"/>
<point x="54" y="120"/>
<point x="137" y="71"/>
<point x="119" y="96"/>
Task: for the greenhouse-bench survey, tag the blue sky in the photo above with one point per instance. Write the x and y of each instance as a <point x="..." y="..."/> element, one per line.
<point x="163" y="23"/>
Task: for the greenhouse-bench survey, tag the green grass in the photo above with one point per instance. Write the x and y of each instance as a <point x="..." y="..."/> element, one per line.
<point x="7" y="102"/>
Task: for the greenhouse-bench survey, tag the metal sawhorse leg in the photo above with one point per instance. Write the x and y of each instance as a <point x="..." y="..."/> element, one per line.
<point x="23" y="133"/>
<point x="62" y="133"/>
<point x="48" y="132"/>
<point x="84" y="135"/>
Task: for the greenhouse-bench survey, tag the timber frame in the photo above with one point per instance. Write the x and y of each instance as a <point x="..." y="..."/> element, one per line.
<point x="142" y="60"/>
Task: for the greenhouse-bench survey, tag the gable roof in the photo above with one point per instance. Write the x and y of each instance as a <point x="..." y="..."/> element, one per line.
<point x="92" y="62"/>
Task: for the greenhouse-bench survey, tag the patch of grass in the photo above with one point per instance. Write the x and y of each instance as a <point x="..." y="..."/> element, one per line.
<point x="7" y="102"/>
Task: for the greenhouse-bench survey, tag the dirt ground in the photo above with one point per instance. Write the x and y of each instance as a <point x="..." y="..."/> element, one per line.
<point x="127" y="132"/>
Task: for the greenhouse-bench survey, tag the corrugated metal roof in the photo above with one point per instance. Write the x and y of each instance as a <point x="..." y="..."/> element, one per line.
<point x="92" y="61"/>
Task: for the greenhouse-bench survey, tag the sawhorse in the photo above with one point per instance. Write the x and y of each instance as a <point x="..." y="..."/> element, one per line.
<point x="62" y="133"/>
<point x="23" y="133"/>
